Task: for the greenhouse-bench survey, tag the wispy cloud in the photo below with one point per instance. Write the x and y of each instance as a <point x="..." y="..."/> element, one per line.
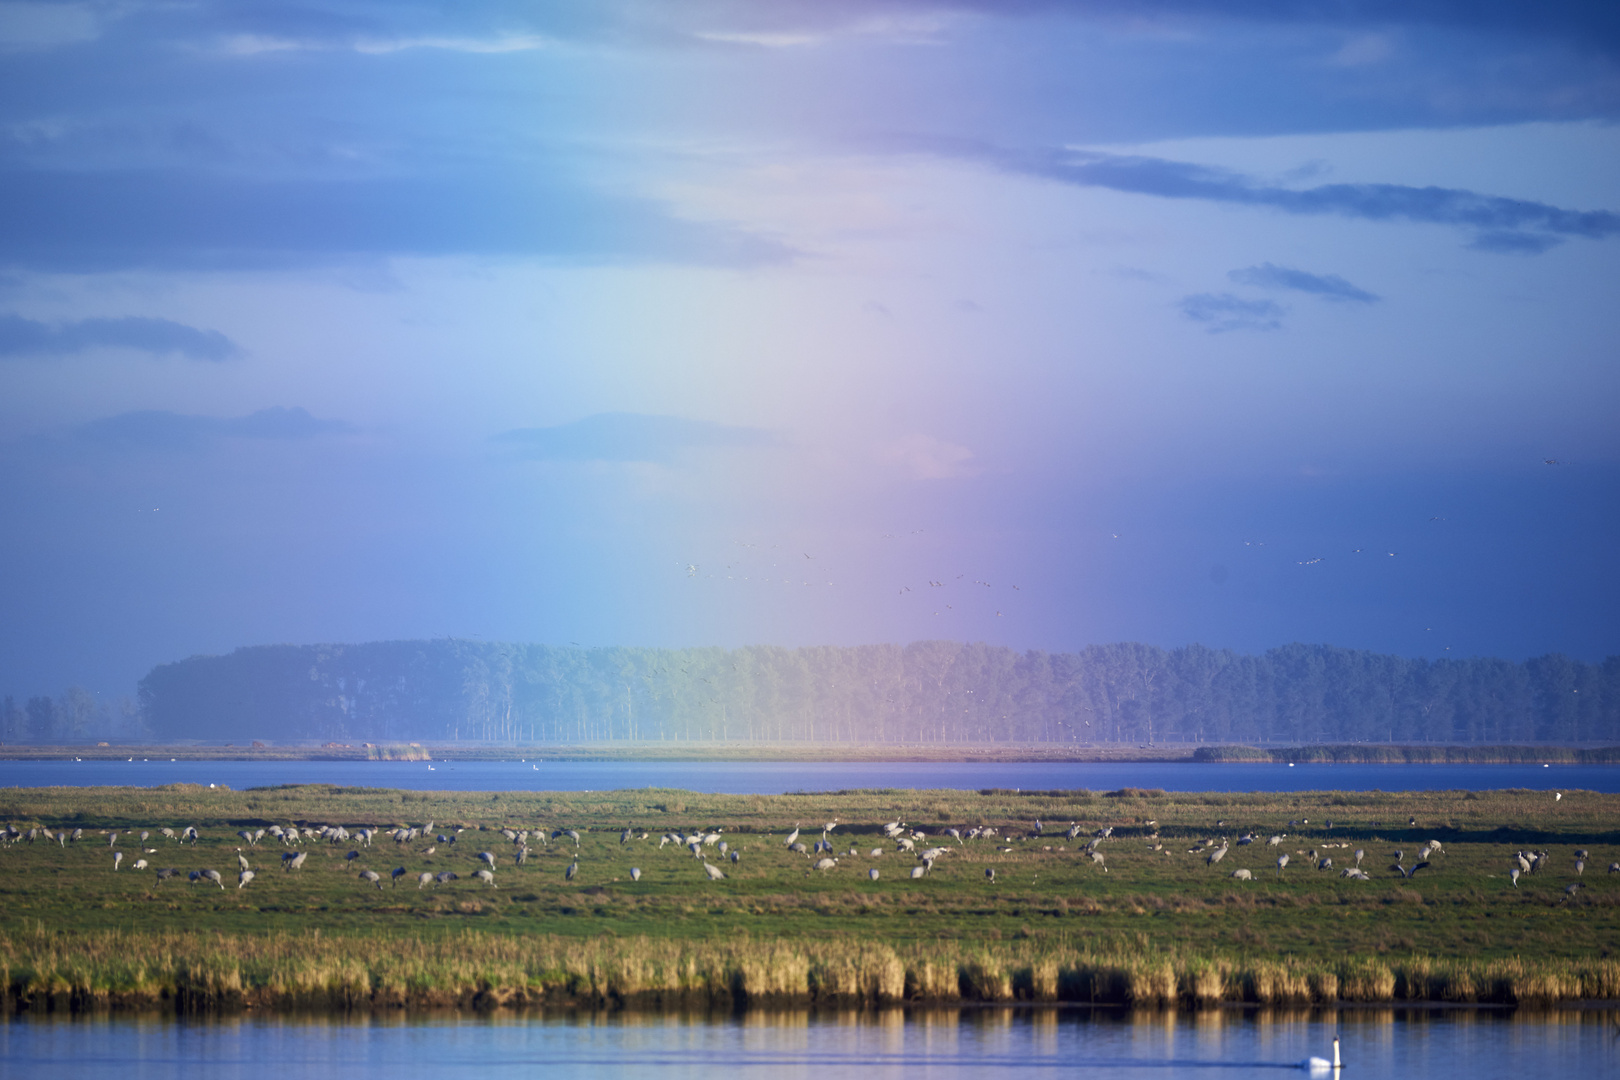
<point x="88" y="220"/>
<point x="155" y="429"/>
<point x="27" y="337"/>
<point x="254" y="44"/>
<point x="924" y="457"/>
<point x="1221" y="312"/>
<point x="1499" y="223"/>
<point x="1327" y="286"/>
<point x="625" y="437"/>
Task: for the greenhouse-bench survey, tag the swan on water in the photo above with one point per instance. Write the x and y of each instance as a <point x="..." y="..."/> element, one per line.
<point x="1315" y="1065"/>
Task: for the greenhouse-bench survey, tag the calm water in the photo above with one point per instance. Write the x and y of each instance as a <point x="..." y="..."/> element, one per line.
<point x="1478" y="1044"/>
<point x="777" y="777"/>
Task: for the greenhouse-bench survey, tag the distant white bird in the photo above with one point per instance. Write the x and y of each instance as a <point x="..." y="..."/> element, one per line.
<point x="635" y="873"/>
<point x="714" y="872"/>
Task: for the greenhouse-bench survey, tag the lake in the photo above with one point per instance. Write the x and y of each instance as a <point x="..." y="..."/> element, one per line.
<point x="1482" y="1044"/>
<point x="779" y="777"/>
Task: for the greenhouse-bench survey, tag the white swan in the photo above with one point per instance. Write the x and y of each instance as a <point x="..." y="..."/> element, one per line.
<point x="1316" y="1065"/>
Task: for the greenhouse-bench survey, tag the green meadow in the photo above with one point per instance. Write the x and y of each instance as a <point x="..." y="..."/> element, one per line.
<point x="1154" y="924"/>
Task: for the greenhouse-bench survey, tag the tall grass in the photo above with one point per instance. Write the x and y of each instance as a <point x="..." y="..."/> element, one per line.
<point x="51" y="970"/>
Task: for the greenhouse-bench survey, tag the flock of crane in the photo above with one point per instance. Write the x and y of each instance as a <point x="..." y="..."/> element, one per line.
<point x="713" y="851"/>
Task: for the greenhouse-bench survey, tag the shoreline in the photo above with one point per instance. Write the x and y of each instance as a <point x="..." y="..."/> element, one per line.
<point x="1013" y="753"/>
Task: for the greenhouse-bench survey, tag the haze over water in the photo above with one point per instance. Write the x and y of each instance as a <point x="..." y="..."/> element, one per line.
<point x="777" y="777"/>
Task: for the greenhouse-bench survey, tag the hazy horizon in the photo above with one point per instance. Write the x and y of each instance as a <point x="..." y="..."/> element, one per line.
<point x="1038" y="324"/>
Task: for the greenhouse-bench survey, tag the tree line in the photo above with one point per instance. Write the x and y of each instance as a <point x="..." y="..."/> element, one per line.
<point x="77" y="715"/>
<point x="927" y="692"/>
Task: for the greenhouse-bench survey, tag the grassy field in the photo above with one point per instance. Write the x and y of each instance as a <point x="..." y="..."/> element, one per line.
<point x="1159" y="926"/>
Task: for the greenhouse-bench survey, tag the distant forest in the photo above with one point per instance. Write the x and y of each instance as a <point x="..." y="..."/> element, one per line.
<point x="927" y="692"/>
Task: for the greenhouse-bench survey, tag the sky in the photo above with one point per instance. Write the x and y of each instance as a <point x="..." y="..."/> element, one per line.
<point x="796" y="322"/>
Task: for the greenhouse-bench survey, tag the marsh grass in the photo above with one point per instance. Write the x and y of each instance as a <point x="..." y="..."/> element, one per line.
<point x="52" y="970"/>
<point x="1162" y="927"/>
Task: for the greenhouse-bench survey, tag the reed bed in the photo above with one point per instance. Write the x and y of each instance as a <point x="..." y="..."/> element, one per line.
<point x="49" y="970"/>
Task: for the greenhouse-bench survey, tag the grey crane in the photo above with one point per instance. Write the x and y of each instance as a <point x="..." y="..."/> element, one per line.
<point x="635" y="873"/>
<point x="487" y="857"/>
<point x="118" y="857"/>
<point x="824" y="864"/>
<point x="166" y="873"/>
<point x="1407" y="872"/>
<point x="372" y="876"/>
<point x="573" y="868"/>
<point x="445" y="876"/>
<point x="989" y="873"/>
<point x="1216" y="856"/>
<point x="1282" y="861"/>
<point x="1513" y="876"/>
<point x="872" y="873"/>
<point x="792" y="836"/>
<point x="1242" y="875"/>
<point x="423" y="878"/>
<point x="244" y="877"/>
<point x="714" y="872"/>
<point x="241" y="860"/>
<point x="486" y="876"/>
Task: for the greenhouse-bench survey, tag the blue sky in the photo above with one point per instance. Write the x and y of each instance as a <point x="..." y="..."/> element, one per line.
<point x="725" y="322"/>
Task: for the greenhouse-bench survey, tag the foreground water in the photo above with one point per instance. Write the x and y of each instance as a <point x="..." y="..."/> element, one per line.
<point x="780" y="777"/>
<point x="1480" y="1044"/>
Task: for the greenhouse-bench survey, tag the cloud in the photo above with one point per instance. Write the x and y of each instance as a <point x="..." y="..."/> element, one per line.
<point x="1523" y="221"/>
<point x="927" y="458"/>
<point x="158" y="430"/>
<point x="26" y="337"/>
<point x="625" y="437"/>
<point x="1511" y="242"/>
<point x="88" y="220"/>
<point x="1327" y="286"/>
<point x="1223" y="311"/>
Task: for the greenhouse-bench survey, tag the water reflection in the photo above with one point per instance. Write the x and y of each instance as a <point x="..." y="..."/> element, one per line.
<point x="1483" y="1044"/>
